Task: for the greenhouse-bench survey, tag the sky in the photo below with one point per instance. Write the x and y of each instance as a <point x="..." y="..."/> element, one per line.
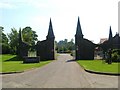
<point x="96" y="17"/>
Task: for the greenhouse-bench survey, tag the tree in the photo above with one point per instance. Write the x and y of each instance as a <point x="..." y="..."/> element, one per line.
<point x="116" y="55"/>
<point x="13" y="38"/>
<point x="65" y="46"/>
<point x="3" y="37"/>
<point x="4" y="42"/>
<point x="29" y="36"/>
<point x="71" y="45"/>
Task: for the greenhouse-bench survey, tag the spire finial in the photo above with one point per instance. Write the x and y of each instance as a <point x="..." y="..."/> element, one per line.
<point x="79" y="30"/>
<point x="20" y="35"/>
<point x="50" y="31"/>
<point x="110" y="33"/>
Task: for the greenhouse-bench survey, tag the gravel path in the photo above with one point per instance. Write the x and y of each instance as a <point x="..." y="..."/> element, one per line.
<point x="61" y="73"/>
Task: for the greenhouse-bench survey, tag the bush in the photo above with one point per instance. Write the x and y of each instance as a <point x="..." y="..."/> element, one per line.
<point x="116" y="55"/>
<point x="5" y="48"/>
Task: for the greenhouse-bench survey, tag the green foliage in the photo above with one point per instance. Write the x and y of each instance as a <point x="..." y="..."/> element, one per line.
<point x="64" y="46"/>
<point x="3" y="37"/>
<point x="4" y="42"/>
<point x="116" y="55"/>
<point x="1" y="31"/>
<point x="29" y="36"/>
<point x="5" y="48"/>
<point x="13" y="40"/>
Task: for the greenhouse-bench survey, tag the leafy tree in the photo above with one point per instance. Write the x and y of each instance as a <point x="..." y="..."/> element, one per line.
<point x="71" y="45"/>
<point x="4" y="42"/>
<point x="3" y="37"/>
<point x="13" y="37"/>
<point x="116" y="55"/>
<point x="29" y="36"/>
<point x="5" y="48"/>
<point x="65" y="46"/>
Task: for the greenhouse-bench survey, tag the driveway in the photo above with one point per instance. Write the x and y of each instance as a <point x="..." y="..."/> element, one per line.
<point x="61" y="73"/>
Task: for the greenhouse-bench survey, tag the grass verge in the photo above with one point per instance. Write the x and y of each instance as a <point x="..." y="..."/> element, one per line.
<point x="99" y="66"/>
<point x="11" y="64"/>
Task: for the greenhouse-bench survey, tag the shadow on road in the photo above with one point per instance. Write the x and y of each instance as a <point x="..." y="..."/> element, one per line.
<point x="70" y="60"/>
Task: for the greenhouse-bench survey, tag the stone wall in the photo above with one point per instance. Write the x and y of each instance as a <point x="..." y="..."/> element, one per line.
<point x="45" y="49"/>
<point x="84" y="49"/>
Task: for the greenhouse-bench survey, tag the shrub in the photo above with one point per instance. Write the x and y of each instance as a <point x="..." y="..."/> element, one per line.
<point x="5" y="48"/>
<point x="116" y="55"/>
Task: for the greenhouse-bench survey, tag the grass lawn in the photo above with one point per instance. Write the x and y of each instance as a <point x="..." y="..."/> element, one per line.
<point x="11" y="64"/>
<point x="99" y="66"/>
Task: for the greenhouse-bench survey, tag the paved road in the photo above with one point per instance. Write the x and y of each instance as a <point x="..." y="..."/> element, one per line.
<point x="61" y="73"/>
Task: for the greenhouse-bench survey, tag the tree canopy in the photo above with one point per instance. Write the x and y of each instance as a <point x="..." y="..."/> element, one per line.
<point x="63" y="46"/>
<point x="4" y="41"/>
<point x="13" y="40"/>
<point x="28" y="35"/>
<point x="3" y="37"/>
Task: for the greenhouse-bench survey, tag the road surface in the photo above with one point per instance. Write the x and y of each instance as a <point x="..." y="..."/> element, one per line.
<point x="61" y="73"/>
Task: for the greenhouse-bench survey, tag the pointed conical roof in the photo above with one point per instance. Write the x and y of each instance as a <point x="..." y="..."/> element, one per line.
<point x="110" y="33"/>
<point x="79" y="30"/>
<point x="50" y="30"/>
<point x="20" y="35"/>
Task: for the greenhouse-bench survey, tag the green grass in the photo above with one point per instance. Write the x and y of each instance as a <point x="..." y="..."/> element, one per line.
<point x="6" y="57"/>
<point x="99" y="66"/>
<point x="12" y="64"/>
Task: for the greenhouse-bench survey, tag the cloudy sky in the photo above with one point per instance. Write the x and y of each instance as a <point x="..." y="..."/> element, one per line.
<point x="96" y="16"/>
